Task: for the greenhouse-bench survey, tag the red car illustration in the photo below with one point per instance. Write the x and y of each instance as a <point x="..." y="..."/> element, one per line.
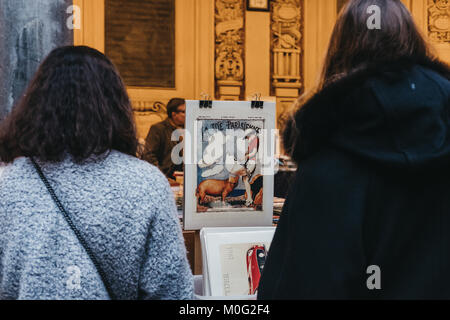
<point x="256" y="257"/>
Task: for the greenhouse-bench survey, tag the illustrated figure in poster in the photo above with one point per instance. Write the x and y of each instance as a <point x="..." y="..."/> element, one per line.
<point x="229" y="172"/>
<point x="216" y="188"/>
<point x="247" y="169"/>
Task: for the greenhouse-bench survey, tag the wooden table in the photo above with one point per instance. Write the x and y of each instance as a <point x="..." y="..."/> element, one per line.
<point x="194" y="250"/>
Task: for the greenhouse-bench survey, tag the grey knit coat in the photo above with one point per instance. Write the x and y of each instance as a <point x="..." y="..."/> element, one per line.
<point x="123" y="207"/>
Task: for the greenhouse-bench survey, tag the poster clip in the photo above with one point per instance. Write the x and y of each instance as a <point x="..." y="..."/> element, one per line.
<point x="205" y="102"/>
<point x="257" y="103"/>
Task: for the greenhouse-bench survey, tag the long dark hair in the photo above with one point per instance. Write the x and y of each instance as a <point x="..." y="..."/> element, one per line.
<point x="354" y="48"/>
<point x="77" y="104"/>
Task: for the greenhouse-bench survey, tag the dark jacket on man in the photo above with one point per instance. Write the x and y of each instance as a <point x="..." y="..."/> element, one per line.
<point x="158" y="147"/>
<point x="372" y="190"/>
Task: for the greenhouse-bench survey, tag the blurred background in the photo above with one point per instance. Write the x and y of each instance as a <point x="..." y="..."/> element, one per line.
<point x="227" y="49"/>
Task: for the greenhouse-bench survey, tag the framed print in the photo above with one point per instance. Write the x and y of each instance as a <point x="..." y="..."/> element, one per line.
<point x="141" y="42"/>
<point x="233" y="260"/>
<point x="258" y="5"/>
<point x="229" y="165"/>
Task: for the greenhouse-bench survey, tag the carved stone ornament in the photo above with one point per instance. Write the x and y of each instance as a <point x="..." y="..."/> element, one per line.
<point x="286" y="43"/>
<point x="286" y="24"/>
<point x="439" y="20"/>
<point x="229" y="27"/>
<point x="148" y="106"/>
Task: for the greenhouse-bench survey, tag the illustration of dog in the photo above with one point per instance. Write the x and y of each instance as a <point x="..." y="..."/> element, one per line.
<point x="213" y="187"/>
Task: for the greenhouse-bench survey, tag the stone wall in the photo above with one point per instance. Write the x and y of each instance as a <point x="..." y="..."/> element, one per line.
<point x="29" y="30"/>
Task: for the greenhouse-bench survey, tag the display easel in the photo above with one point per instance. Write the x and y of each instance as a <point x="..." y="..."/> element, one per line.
<point x="194" y="250"/>
<point x="247" y="180"/>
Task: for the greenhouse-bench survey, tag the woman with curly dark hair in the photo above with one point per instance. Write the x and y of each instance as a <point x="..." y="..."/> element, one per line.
<point x="369" y="213"/>
<point x="81" y="217"/>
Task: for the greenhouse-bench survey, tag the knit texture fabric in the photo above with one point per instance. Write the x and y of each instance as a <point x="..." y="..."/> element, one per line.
<point x="125" y="210"/>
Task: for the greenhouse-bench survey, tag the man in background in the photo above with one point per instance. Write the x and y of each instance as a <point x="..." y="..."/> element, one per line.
<point x="159" y="145"/>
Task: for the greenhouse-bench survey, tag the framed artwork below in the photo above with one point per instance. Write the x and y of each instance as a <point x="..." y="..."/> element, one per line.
<point x="233" y="260"/>
<point x="258" y="5"/>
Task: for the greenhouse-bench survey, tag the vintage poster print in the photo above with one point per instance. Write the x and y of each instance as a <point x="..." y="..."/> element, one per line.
<point x="229" y="173"/>
<point x="242" y="265"/>
<point x="229" y="159"/>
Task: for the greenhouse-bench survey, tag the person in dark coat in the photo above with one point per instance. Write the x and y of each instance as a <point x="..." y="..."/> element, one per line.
<point x="159" y="145"/>
<point x="368" y="216"/>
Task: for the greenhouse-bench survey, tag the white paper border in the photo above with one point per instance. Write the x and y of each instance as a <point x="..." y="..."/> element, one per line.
<point x="225" y="110"/>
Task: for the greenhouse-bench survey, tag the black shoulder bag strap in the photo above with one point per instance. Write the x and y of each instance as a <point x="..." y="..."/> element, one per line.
<point x="75" y="230"/>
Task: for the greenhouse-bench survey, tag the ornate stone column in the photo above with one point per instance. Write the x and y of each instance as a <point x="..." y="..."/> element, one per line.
<point x="29" y="30"/>
<point x="229" y="66"/>
<point x="439" y="21"/>
<point x="287" y="51"/>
